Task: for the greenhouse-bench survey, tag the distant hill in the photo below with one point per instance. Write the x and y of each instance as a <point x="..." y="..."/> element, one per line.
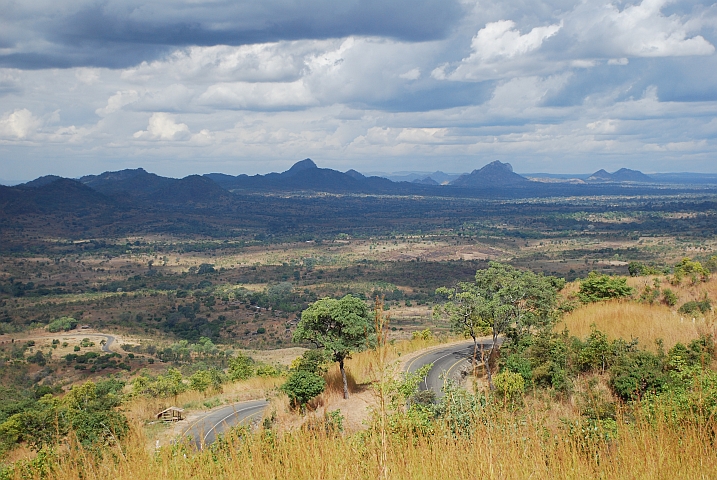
<point x="439" y="176"/>
<point x="622" y="175"/>
<point x="40" y="181"/>
<point x="600" y="176"/>
<point x="426" y="181"/>
<point x="494" y="174"/>
<point x="58" y="196"/>
<point x="306" y="175"/>
<point x="194" y="190"/>
<point x="130" y="182"/>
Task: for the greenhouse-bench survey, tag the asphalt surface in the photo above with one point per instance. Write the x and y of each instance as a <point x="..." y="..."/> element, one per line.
<point x="106" y="346"/>
<point x="448" y="362"/>
<point x="206" y="429"/>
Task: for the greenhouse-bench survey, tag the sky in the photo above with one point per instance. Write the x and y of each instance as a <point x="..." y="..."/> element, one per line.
<point x="180" y="87"/>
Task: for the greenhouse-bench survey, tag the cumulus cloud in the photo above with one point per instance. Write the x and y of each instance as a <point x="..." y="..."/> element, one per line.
<point x="117" y="101"/>
<point x="162" y="126"/>
<point x="496" y="43"/>
<point x="243" y="95"/>
<point x="19" y="124"/>
<point x="640" y="30"/>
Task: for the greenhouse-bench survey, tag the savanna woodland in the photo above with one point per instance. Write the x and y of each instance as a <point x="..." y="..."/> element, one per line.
<point x="192" y="330"/>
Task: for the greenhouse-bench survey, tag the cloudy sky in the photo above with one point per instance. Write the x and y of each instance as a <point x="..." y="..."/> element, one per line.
<point x="235" y="86"/>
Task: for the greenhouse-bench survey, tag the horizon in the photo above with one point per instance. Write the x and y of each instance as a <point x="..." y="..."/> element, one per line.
<point x="14" y="182"/>
<point x="249" y="87"/>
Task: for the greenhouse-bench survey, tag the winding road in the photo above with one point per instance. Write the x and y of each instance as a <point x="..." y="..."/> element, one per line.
<point x="450" y="359"/>
<point x="205" y="430"/>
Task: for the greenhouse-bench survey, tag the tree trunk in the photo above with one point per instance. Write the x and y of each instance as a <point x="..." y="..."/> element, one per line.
<point x="488" y="371"/>
<point x="475" y="354"/>
<point x="343" y="377"/>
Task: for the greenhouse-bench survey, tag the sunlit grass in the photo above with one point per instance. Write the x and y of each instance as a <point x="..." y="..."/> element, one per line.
<point x="511" y="446"/>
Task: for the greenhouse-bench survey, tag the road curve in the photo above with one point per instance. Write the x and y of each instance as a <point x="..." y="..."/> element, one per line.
<point x="108" y="342"/>
<point x="450" y="359"/>
<point x="205" y="430"/>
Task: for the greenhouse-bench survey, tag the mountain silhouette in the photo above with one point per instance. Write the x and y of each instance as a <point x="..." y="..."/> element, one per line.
<point x="305" y="175"/>
<point x="622" y="175"/>
<point x="494" y="174"/>
<point x="61" y="195"/>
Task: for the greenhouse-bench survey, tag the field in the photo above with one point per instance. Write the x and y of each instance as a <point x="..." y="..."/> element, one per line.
<point x="194" y="302"/>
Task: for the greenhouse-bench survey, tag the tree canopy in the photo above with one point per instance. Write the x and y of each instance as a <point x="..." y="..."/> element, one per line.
<point x="503" y="301"/>
<point x="339" y="326"/>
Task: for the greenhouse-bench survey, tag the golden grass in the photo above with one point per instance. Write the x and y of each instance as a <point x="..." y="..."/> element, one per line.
<point x="629" y="320"/>
<point x="509" y="447"/>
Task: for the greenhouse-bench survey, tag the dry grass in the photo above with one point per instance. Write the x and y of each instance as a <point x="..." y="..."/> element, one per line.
<point x="629" y="320"/>
<point x="510" y="447"/>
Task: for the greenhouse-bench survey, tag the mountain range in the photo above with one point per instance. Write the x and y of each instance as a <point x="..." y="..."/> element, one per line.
<point x="216" y="192"/>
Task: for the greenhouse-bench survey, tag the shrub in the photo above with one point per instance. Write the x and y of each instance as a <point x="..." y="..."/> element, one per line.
<point x="636" y="374"/>
<point x="598" y="287"/>
<point x="509" y="385"/>
<point x="521" y="365"/>
<point x="241" y="367"/>
<point x="302" y="386"/>
<point x="669" y="297"/>
<point x="425" y="334"/>
<point x="314" y="361"/>
<point x="711" y="264"/>
<point x="62" y="324"/>
<point x="267" y="371"/>
<point x="692" y="269"/>
<point x="695" y="307"/>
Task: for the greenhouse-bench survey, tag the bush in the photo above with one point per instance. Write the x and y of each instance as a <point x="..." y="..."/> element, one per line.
<point x="314" y="361"/>
<point x="425" y="334"/>
<point x="241" y="367"/>
<point x="509" y="385"/>
<point x="267" y="371"/>
<point x="637" y="374"/>
<point x="302" y="386"/>
<point x="62" y="324"/>
<point x="694" y="307"/>
<point x="669" y="297"/>
<point x="691" y="269"/>
<point x="598" y="287"/>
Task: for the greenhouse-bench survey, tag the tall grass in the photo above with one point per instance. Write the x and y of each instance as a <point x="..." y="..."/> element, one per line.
<point x="647" y="323"/>
<point x="510" y="445"/>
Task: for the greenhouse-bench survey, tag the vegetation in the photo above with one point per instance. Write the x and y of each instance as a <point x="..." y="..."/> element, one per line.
<point x="581" y="386"/>
<point x="599" y="287"/>
<point x="62" y="324"/>
<point x="338" y="326"/>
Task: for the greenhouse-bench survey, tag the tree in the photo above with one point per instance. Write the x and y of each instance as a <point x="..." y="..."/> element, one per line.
<point x="509" y="302"/>
<point x="464" y="311"/>
<point x="339" y="326"/>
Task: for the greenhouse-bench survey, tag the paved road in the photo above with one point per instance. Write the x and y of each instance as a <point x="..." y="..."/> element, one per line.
<point x="205" y="430"/>
<point x="449" y="359"/>
<point x="106" y="346"/>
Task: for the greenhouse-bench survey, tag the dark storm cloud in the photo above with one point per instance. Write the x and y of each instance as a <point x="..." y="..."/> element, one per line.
<point x="119" y="34"/>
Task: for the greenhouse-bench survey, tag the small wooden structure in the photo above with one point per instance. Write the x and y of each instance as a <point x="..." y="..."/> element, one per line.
<point x="171" y="414"/>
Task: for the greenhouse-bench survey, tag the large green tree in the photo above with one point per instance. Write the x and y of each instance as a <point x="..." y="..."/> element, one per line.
<point x="507" y="301"/>
<point x="339" y="326"/>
